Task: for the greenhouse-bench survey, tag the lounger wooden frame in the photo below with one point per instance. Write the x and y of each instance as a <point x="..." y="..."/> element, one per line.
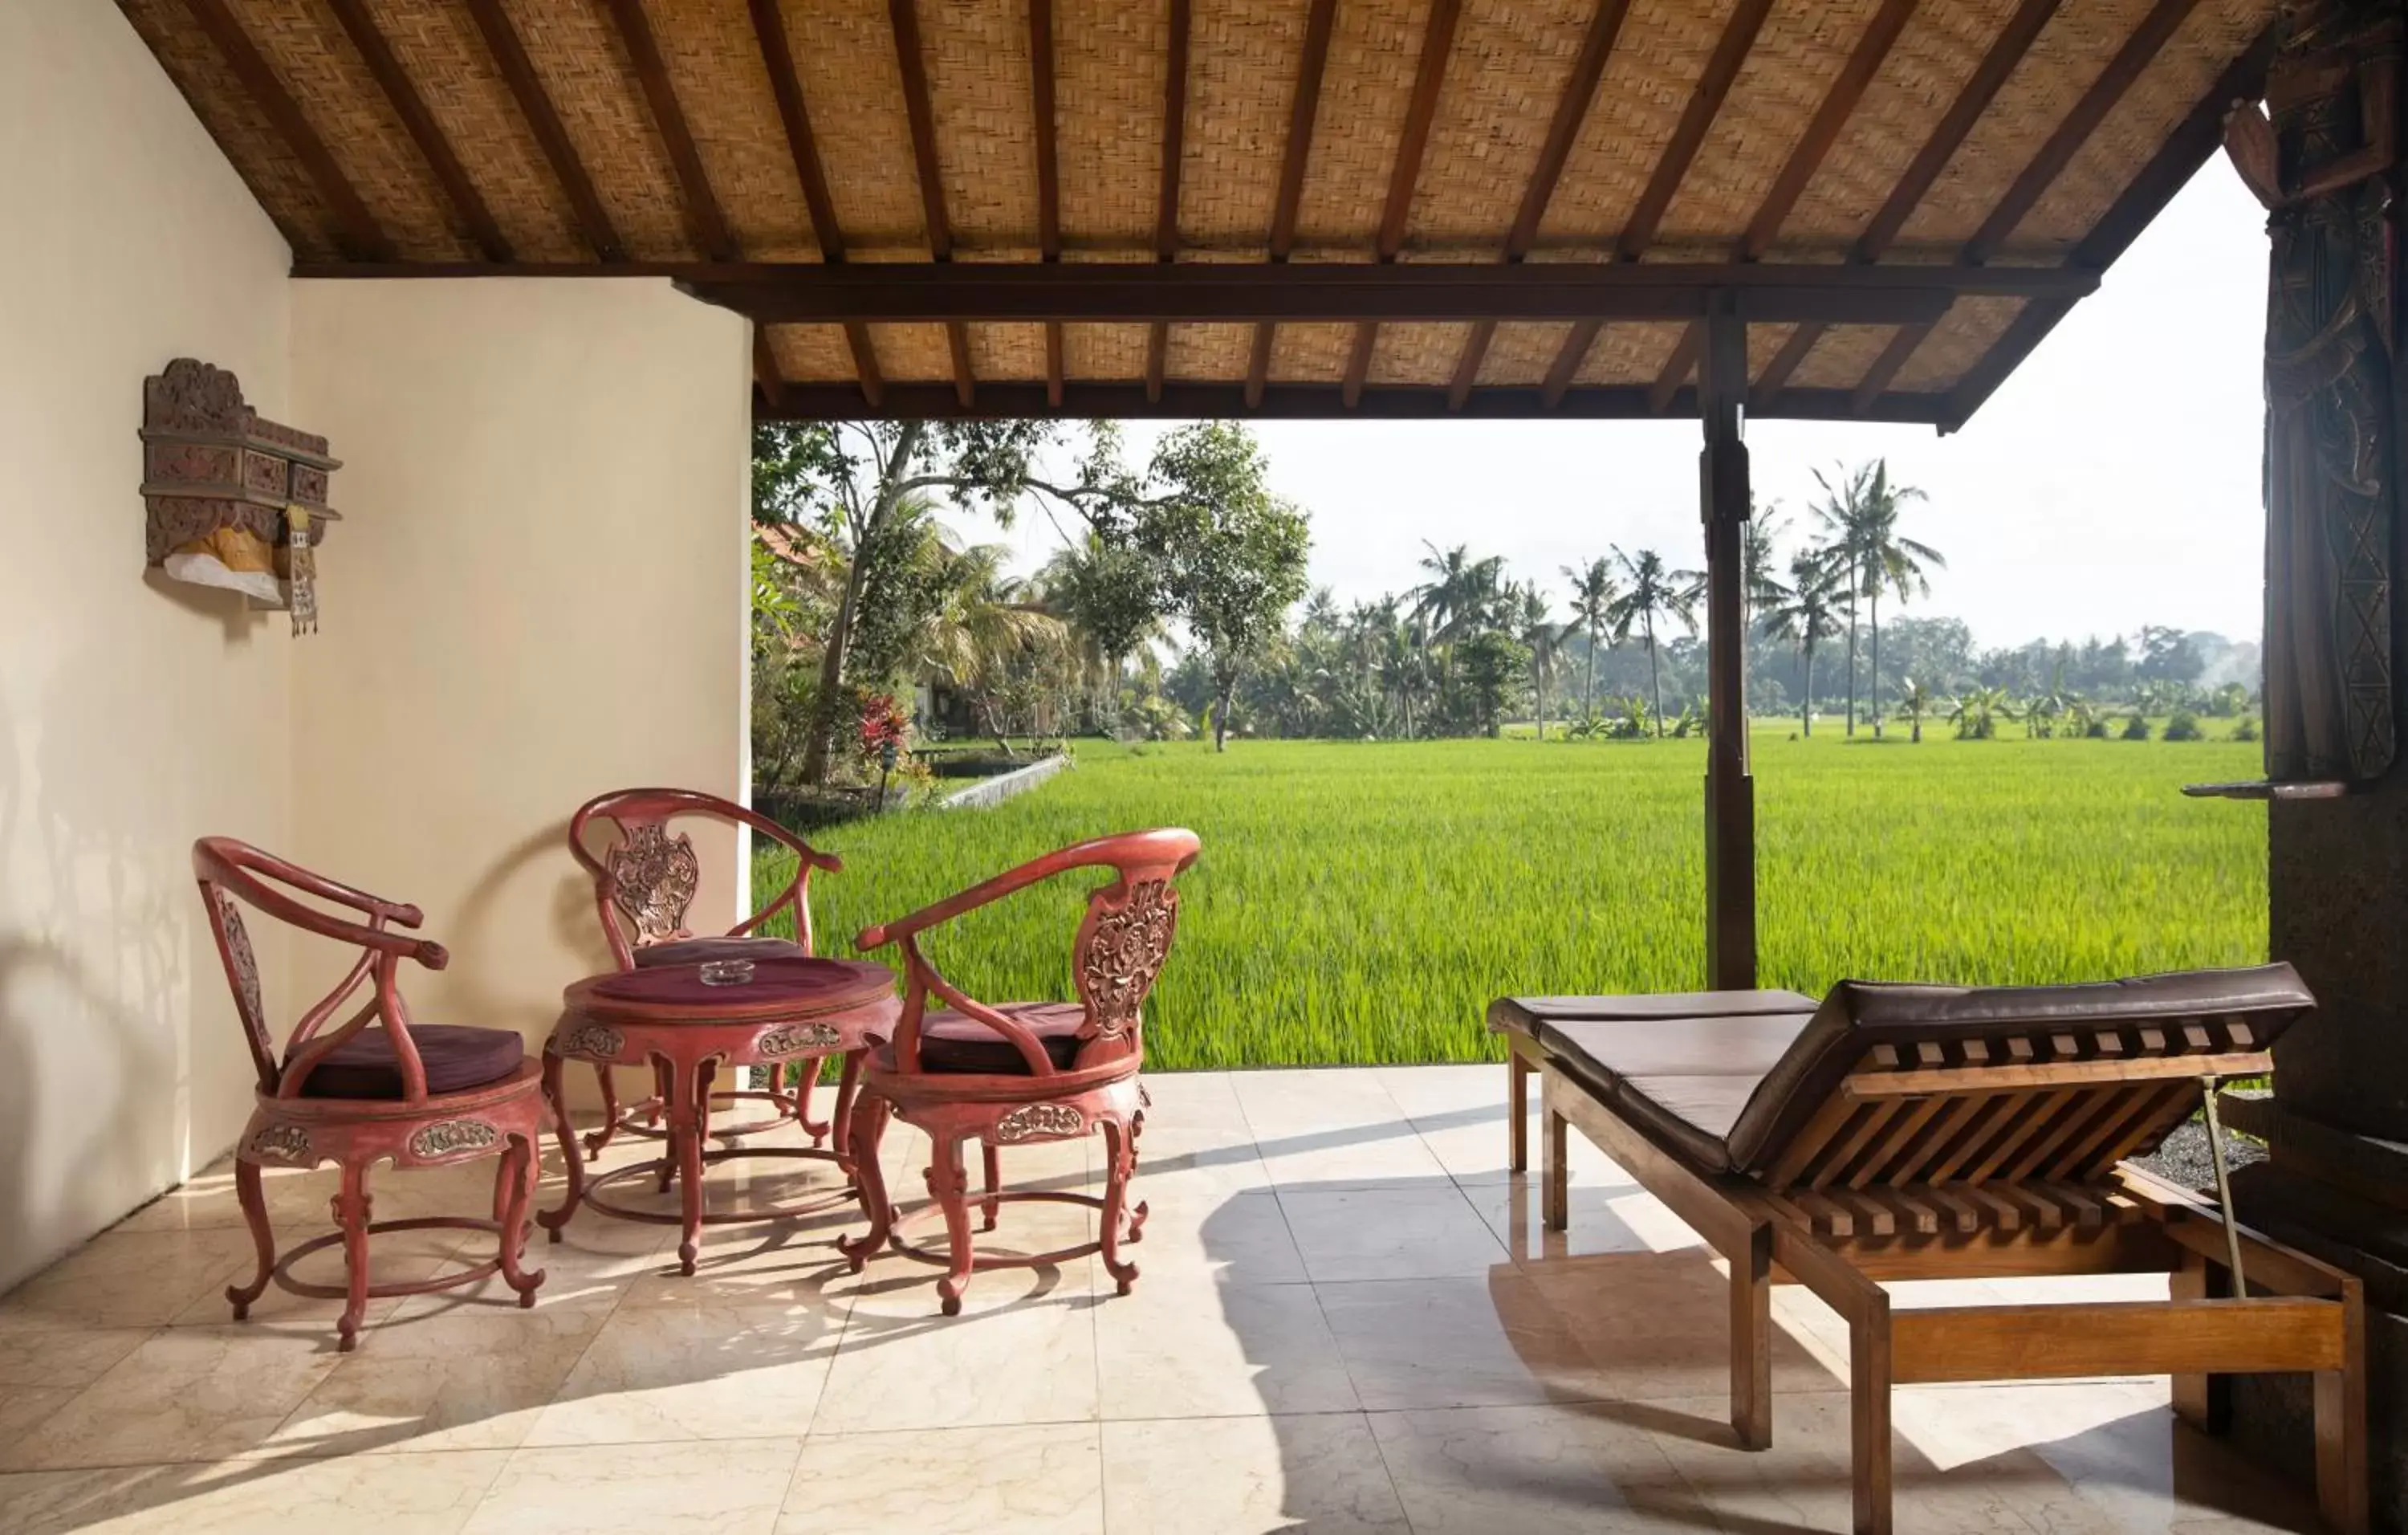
<point x="1965" y="1160"/>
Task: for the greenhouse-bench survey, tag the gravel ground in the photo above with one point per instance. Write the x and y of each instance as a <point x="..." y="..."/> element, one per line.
<point x="2184" y="1157"/>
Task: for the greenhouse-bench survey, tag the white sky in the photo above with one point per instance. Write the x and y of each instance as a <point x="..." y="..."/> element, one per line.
<point x="2113" y="481"/>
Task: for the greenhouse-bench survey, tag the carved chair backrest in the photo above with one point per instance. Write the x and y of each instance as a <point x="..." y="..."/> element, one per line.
<point x="1118" y="953"/>
<point x="646" y="873"/>
<point x="234" y="874"/>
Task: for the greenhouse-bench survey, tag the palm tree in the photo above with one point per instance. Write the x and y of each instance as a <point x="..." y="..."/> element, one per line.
<point x="1653" y="589"/>
<point x="1759" y="588"/>
<point x="1804" y="615"/>
<point x="1536" y="628"/>
<point x="1913" y="702"/>
<point x="1860" y="514"/>
<point x="1461" y="594"/>
<point x="1594" y="590"/>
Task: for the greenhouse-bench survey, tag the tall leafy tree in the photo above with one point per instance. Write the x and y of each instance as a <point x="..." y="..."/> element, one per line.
<point x="1650" y="588"/>
<point x="1461" y="595"/>
<point x="1231" y="555"/>
<point x="1111" y="592"/>
<point x="1806" y="613"/>
<point x="1593" y="591"/>
<point x="1860" y="514"/>
<point x="1536" y="627"/>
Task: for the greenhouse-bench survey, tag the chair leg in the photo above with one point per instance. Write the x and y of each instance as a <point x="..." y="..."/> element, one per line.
<point x="868" y="1127"/>
<point x="554" y="1220"/>
<point x="601" y="1138"/>
<point x="1517" y="1093"/>
<point x="1750" y="1342"/>
<point x="848" y="1099"/>
<point x="1137" y="1212"/>
<point x="950" y="1187"/>
<point x="352" y="1205"/>
<point x="1555" y="1211"/>
<point x="819" y="1131"/>
<point x="2341" y="1490"/>
<point x="662" y="1092"/>
<point x="990" y="1208"/>
<point x="513" y="1192"/>
<point x="1120" y="1158"/>
<point x="262" y="1236"/>
<point x="1868" y="1420"/>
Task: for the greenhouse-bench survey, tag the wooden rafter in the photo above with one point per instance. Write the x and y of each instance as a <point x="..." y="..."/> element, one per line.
<point x="2139" y="51"/>
<point x="1563" y="131"/>
<point x="1048" y="173"/>
<point x="2006" y="51"/>
<point x="1822" y="132"/>
<point x="2198" y="139"/>
<point x="764" y="371"/>
<point x="706" y="223"/>
<point x="1301" y="112"/>
<point x="1688" y="134"/>
<point x="359" y="230"/>
<point x="403" y="98"/>
<point x="543" y="120"/>
<point x="1166" y="217"/>
<point x="794" y="115"/>
<point x="1421" y="110"/>
<point x="913" y="62"/>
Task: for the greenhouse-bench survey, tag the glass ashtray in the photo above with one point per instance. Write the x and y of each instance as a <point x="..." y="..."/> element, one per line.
<point x="727" y="972"/>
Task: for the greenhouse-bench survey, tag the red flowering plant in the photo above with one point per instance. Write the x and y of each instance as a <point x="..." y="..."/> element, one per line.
<point x="884" y="722"/>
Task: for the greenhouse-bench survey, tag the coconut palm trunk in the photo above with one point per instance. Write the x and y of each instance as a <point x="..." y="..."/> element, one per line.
<point x="1876" y="709"/>
<point x="1851" y="647"/>
<point x="1655" y="682"/>
<point x="1806" y="709"/>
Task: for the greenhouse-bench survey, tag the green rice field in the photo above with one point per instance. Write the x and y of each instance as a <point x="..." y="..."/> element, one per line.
<point x="1362" y="902"/>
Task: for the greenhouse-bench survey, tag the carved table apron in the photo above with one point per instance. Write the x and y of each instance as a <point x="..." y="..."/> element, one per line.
<point x="792" y="1011"/>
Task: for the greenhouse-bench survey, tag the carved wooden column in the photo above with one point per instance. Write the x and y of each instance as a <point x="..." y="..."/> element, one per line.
<point x="1730" y="791"/>
<point x="2324" y="156"/>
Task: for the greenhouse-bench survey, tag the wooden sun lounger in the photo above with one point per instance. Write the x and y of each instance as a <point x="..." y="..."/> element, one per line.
<point x="1897" y="1132"/>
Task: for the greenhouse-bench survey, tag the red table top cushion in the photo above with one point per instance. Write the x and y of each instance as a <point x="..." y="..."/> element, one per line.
<point x="798" y="983"/>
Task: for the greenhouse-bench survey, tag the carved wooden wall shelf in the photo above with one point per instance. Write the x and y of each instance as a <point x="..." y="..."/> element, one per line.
<point x="242" y="499"/>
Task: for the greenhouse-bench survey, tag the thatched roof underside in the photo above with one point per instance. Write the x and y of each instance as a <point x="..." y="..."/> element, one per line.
<point x="502" y="136"/>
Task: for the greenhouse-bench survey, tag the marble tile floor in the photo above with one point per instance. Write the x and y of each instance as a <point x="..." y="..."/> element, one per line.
<point x="1348" y="1320"/>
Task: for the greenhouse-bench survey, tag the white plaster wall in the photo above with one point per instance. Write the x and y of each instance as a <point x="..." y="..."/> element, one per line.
<point x="135" y="714"/>
<point x="539" y="594"/>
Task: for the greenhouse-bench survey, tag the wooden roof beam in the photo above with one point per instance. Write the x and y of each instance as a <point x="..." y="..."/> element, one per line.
<point x="803" y="293"/>
<point x="1713" y="87"/>
<point x="1421" y="110"/>
<point x="1563" y="131"/>
<point x="2006" y="51"/>
<point x="2139" y="51"/>
<point x="1049" y="172"/>
<point x="1822" y="132"/>
<point x="786" y="86"/>
<point x="1166" y="217"/>
<point x="402" y="95"/>
<point x="913" y="62"/>
<point x="1301" y="111"/>
<point x="357" y="228"/>
<point x="543" y="120"/>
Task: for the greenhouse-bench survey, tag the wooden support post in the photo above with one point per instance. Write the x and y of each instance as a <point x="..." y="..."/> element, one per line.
<point x="1517" y="1071"/>
<point x="1730" y="793"/>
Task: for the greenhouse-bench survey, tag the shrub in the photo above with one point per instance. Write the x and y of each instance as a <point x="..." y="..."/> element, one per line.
<point x="2137" y="728"/>
<point x="2246" y="729"/>
<point x="2185" y="726"/>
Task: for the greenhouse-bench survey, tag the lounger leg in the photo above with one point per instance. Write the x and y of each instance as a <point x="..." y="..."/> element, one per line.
<point x="1518" y="1091"/>
<point x="2340" y="1427"/>
<point x="1869" y="1429"/>
<point x="2199" y="1400"/>
<point x="1750" y="1342"/>
<point x="1556" y="1212"/>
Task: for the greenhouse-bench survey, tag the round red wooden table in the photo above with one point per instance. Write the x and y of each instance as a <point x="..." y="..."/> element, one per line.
<point x="791" y="1011"/>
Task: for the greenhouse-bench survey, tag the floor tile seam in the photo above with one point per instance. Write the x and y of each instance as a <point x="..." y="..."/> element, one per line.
<point x="150" y="1333"/>
<point x="255" y="1457"/>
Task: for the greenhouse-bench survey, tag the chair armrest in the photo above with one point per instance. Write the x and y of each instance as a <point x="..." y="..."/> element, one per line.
<point x="923" y="977"/>
<point x="371" y="935"/>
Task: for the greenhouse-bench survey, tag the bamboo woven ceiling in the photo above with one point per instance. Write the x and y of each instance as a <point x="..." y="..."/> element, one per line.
<point x="1485" y="207"/>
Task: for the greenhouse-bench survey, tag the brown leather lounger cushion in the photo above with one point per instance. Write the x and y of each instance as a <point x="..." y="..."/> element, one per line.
<point x="1531" y="1015"/>
<point x="457" y="1058"/>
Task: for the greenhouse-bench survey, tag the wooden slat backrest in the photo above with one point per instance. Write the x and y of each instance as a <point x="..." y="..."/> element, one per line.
<point x="1915" y="1129"/>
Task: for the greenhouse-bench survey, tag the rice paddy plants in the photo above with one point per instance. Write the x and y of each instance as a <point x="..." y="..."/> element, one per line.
<point x="1362" y="902"/>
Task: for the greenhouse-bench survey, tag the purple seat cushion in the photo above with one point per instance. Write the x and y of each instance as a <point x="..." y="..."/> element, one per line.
<point x="457" y="1058"/>
<point x="950" y="1043"/>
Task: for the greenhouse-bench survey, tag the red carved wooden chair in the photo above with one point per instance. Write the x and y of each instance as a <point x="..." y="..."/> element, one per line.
<point x="1016" y="1072"/>
<point x="645" y="875"/>
<point x="376" y="1087"/>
